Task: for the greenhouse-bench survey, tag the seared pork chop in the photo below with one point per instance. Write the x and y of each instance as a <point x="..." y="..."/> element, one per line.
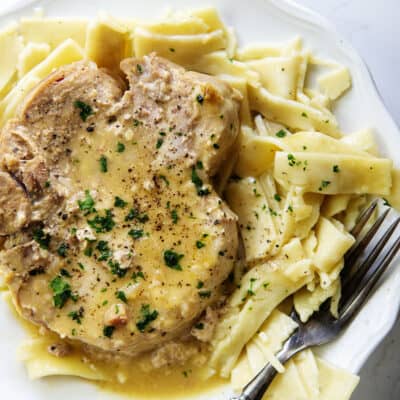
<point x="112" y="233"/>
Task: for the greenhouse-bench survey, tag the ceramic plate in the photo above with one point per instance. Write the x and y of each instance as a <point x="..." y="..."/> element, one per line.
<point x="255" y="21"/>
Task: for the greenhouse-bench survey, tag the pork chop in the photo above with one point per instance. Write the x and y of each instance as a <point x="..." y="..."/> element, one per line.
<point x="113" y="235"/>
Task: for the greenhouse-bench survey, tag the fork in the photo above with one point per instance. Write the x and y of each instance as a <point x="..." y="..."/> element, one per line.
<point x="364" y="264"/>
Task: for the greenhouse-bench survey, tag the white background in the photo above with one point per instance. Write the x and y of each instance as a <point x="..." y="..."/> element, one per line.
<point x="373" y="27"/>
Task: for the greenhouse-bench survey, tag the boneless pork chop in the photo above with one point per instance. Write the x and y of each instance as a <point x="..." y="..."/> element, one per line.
<point x="111" y="233"/>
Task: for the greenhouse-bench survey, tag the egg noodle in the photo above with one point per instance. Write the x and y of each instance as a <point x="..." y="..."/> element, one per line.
<point x="296" y="182"/>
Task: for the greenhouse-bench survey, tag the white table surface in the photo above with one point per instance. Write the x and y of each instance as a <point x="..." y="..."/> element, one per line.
<point x="373" y="27"/>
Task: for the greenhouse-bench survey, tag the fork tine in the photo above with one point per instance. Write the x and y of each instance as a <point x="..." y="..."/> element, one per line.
<point x="366" y="285"/>
<point x="359" y="247"/>
<point x="350" y="285"/>
<point x="363" y="218"/>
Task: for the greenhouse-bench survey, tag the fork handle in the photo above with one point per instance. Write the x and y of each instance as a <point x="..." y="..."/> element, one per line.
<point x="257" y="387"/>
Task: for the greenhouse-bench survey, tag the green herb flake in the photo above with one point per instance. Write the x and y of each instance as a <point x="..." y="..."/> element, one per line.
<point x="120" y="147"/>
<point x="87" y="204"/>
<point x="108" y="331"/>
<point x="118" y="202"/>
<point x="77" y="315"/>
<point x="139" y="68"/>
<point x="104" y="250"/>
<point x="136" y="233"/>
<point x="138" y="274"/>
<point x="198" y="183"/>
<point x="81" y="266"/>
<point x="172" y="50"/>
<point x="61" y="291"/>
<point x="336" y="168"/>
<point x="47" y="184"/>
<point x="103" y="164"/>
<point x="277" y="197"/>
<point x="386" y="203"/>
<point x="303" y="114"/>
<point x="172" y="259"/>
<point x="250" y="290"/>
<point x="134" y="214"/>
<point x="200" y="284"/>
<point x="281" y="133"/>
<point x="121" y="296"/>
<point x="42" y="238"/>
<point x="159" y="143"/>
<point x="205" y="294"/>
<point x="324" y="184"/>
<point x="102" y="224"/>
<point x="162" y="133"/>
<point x="65" y="273"/>
<point x="147" y="317"/>
<point x="136" y="122"/>
<point x="85" y="109"/>
<point x="199" y="244"/>
<point x="216" y="146"/>
<point x="174" y="216"/>
<point x="199" y="326"/>
<point x="116" y="269"/>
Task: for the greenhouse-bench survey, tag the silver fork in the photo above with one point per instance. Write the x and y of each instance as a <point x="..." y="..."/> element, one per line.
<point x="365" y="263"/>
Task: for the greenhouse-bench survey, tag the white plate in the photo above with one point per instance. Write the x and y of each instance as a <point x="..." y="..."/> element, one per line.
<point x="258" y="20"/>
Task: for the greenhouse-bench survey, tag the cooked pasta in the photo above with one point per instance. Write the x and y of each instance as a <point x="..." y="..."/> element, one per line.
<point x="297" y="183"/>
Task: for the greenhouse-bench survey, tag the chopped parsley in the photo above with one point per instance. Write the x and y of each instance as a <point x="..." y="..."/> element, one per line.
<point x="250" y="290"/>
<point x="134" y="214"/>
<point x="200" y="284"/>
<point x="216" y="146"/>
<point x="199" y="165"/>
<point x="136" y="233"/>
<point x="324" y="184"/>
<point x="116" y="269"/>
<point x="147" y="316"/>
<point x="200" y="98"/>
<point x="42" y="238"/>
<point x="199" y="326"/>
<point x="120" y="147"/>
<point x="61" y="291"/>
<point x="172" y="259"/>
<point x="102" y="224"/>
<point x="137" y="275"/>
<point x="87" y="204"/>
<point x="121" y="296"/>
<point x="64" y="272"/>
<point x="198" y="183"/>
<point x="303" y="114"/>
<point x="103" y="164"/>
<point x="281" y="133"/>
<point x="205" y="294"/>
<point x="139" y="68"/>
<point x="160" y="142"/>
<point x="108" y="331"/>
<point x="172" y="50"/>
<point x="174" y="216"/>
<point x="63" y="250"/>
<point x="277" y="197"/>
<point x="136" y="122"/>
<point x="118" y="202"/>
<point x="386" y="203"/>
<point x="200" y="244"/>
<point x="85" y="109"/>
<point x="77" y="315"/>
<point x="336" y="168"/>
<point x="81" y="266"/>
<point x="292" y="160"/>
<point x="164" y="178"/>
<point x="105" y="252"/>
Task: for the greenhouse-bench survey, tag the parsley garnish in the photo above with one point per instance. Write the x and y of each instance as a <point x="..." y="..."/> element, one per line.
<point x="61" y="291"/>
<point x="136" y="233"/>
<point x="159" y="143"/>
<point x="105" y="252"/>
<point x="324" y="184"/>
<point x="277" y="197"/>
<point x="199" y="326"/>
<point x="77" y="315"/>
<point x="216" y="146"/>
<point x="118" y="202"/>
<point x="303" y="114"/>
<point x="139" y="68"/>
<point x="280" y="133"/>
<point x="120" y="147"/>
<point x="147" y="317"/>
<point x="174" y="216"/>
<point x="136" y="122"/>
<point x="171" y="259"/>
<point x="336" y="168"/>
<point x="121" y="296"/>
<point x="87" y="204"/>
<point x="134" y="214"/>
<point x="85" y="109"/>
<point x="250" y="290"/>
<point x="205" y="294"/>
<point x="42" y="238"/>
<point x="116" y="269"/>
<point x="198" y="183"/>
<point x="137" y="275"/>
<point x="200" y="284"/>
<point x="199" y="244"/>
<point x="108" y="331"/>
<point x="102" y="224"/>
<point x="103" y="164"/>
<point x="63" y="249"/>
